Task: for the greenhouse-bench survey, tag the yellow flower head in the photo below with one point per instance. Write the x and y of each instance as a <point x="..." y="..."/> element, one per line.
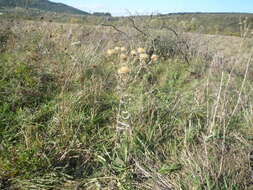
<point x="144" y="57"/>
<point x="123" y="70"/>
<point x="154" y="58"/>
<point x="141" y="50"/>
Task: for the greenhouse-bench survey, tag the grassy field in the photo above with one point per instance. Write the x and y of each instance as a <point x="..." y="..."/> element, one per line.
<point x="231" y="24"/>
<point x="216" y="23"/>
<point x="76" y="112"/>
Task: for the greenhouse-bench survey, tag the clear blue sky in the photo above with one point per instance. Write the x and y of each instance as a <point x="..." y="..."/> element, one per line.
<point x="120" y="7"/>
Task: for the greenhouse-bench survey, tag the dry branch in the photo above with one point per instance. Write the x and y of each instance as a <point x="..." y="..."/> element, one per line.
<point x="115" y="28"/>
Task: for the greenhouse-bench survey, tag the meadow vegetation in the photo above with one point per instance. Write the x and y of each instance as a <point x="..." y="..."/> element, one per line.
<point x="206" y="23"/>
<point x="133" y="107"/>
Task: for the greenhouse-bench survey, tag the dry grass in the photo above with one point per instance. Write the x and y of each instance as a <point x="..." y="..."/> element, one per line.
<point x="62" y="102"/>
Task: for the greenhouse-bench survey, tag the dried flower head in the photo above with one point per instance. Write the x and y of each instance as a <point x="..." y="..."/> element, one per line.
<point x="123" y="49"/>
<point x="144" y="57"/>
<point x="111" y="52"/>
<point x="133" y="53"/>
<point x="117" y="49"/>
<point x="141" y="50"/>
<point x="154" y="58"/>
<point x="123" y="57"/>
<point x="123" y="70"/>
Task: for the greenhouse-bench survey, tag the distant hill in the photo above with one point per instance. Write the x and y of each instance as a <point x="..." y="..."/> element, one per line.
<point x="44" y="5"/>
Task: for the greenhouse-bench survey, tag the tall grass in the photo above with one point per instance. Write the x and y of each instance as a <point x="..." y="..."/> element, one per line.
<point x="190" y="125"/>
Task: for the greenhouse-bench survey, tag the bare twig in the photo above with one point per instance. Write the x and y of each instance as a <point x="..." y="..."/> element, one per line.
<point x="163" y="26"/>
<point x="115" y="28"/>
<point x="136" y="28"/>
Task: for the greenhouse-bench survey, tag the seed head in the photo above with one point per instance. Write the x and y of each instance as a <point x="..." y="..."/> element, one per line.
<point x="141" y="50"/>
<point x="154" y="58"/>
<point x="123" y="57"/>
<point x="133" y="53"/>
<point x="111" y="52"/>
<point x="123" y="49"/>
<point x="117" y="49"/>
<point x="144" y="57"/>
<point x="123" y="70"/>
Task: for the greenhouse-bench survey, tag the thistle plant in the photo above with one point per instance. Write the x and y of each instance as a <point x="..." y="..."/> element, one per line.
<point x="127" y="75"/>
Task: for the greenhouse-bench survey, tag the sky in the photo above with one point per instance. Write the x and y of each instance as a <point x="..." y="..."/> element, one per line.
<point x="128" y="7"/>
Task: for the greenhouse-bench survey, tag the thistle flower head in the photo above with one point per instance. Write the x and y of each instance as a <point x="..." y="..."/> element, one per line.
<point x="141" y="50"/>
<point x="133" y="53"/>
<point x="123" y="57"/>
<point x="123" y="70"/>
<point x="123" y="49"/>
<point x="154" y="58"/>
<point x="144" y="57"/>
<point x="111" y="52"/>
<point x="117" y="49"/>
